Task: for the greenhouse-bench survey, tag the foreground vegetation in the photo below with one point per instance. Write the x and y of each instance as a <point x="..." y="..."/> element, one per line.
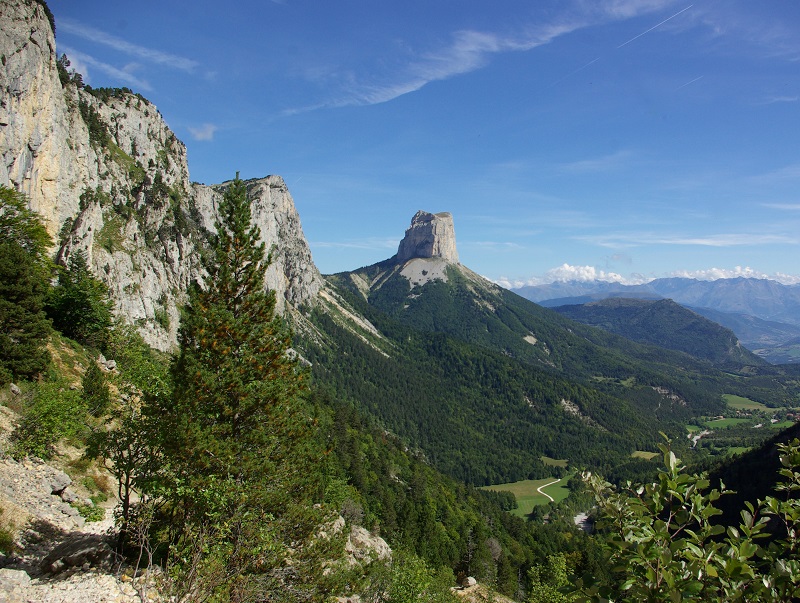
<point x="228" y="459"/>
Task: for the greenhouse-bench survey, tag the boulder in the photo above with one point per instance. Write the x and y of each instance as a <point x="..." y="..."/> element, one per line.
<point x="89" y="550"/>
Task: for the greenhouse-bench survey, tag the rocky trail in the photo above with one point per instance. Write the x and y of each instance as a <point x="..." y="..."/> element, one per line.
<point x="59" y="558"/>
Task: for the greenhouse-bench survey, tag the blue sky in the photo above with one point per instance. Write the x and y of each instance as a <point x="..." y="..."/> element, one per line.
<point x="620" y="139"/>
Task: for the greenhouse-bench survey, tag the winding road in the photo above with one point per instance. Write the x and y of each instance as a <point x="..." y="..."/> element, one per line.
<point x="539" y="489"/>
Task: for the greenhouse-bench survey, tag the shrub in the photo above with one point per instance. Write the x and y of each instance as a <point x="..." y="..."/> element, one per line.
<point x="56" y="412"/>
<point x="665" y="545"/>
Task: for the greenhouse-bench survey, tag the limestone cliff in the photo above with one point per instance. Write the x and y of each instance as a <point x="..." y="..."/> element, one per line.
<point x="109" y="177"/>
<point x="429" y="236"/>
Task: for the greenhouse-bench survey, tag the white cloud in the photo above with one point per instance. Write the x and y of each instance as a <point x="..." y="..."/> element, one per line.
<point x="494" y="245"/>
<point x="782" y="99"/>
<point x="469" y="50"/>
<point x="599" y="164"/>
<point x="625" y="9"/>
<point x="148" y="54"/>
<point x="747" y="24"/>
<point x="565" y="272"/>
<point x="568" y="273"/>
<point x="81" y="63"/>
<point x="637" y="239"/>
<point x="371" y="243"/>
<point x="204" y="132"/>
<point x="713" y="274"/>
<point x="779" y="176"/>
<point x="784" y="206"/>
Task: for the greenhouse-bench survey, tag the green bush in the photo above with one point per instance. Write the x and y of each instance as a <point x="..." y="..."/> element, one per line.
<point x="91" y="513"/>
<point x="6" y="538"/>
<point x="56" y="412"/>
<point x="408" y="579"/>
<point x="98" y="128"/>
<point x="664" y="543"/>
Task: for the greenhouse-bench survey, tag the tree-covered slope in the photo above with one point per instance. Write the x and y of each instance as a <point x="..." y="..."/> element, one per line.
<point x="485" y="382"/>
<point x="667" y="324"/>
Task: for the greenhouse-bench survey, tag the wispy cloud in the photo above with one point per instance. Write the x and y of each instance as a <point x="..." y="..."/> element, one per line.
<point x="781" y="99"/>
<point x="747" y="24"/>
<point x="493" y="245"/>
<point x="203" y="132"/>
<point x="84" y="63"/>
<point x="469" y="50"/>
<point x="781" y="175"/>
<point x="626" y="9"/>
<point x="689" y="83"/>
<point x="370" y="243"/>
<point x="627" y="240"/>
<point x="599" y="164"/>
<point x="656" y="26"/>
<point x="134" y="50"/>
<point x="784" y="206"/>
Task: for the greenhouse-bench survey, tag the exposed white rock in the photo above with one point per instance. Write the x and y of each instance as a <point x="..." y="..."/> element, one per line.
<point x="363" y="546"/>
<point x="429" y="236"/>
<point x="424" y="270"/>
<point x="129" y="204"/>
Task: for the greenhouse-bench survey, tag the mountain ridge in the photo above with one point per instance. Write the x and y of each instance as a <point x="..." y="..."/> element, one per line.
<point x="110" y="178"/>
<point x="764" y="314"/>
<point x="665" y="323"/>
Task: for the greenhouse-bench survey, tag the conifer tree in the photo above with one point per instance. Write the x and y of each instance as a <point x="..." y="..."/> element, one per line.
<point x="24" y="272"/>
<point x="240" y="446"/>
<point x="79" y="305"/>
<point x="95" y="391"/>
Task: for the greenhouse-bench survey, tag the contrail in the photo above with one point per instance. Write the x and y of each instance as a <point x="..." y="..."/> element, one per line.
<point x="571" y="73"/>
<point x="691" y="82"/>
<point x="655" y="26"/>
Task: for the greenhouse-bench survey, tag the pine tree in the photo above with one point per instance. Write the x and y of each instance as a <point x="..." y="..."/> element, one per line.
<point x="23" y="325"/>
<point x="24" y="271"/>
<point x="95" y="391"/>
<point x="236" y="436"/>
<point x="79" y="305"/>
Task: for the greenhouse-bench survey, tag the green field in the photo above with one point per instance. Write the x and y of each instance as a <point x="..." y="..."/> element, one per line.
<point x="693" y="428"/>
<point x="528" y="497"/>
<point x="740" y="403"/>
<point x="782" y="425"/>
<point x="643" y="454"/>
<point x="723" y="423"/>
<point x="546" y="460"/>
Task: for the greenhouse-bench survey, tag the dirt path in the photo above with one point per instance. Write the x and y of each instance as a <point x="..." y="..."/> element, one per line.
<point x="539" y="489"/>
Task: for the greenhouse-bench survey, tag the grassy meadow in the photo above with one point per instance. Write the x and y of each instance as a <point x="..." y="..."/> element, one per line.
<point x="527" y="495"/>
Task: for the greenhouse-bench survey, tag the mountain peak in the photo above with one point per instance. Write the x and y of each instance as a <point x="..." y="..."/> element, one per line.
<point x="429" y="236"/>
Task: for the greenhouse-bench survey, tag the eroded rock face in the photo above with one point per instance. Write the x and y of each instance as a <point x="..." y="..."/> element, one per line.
<point x="127" y="202"/>
<point x="429" y="236"/>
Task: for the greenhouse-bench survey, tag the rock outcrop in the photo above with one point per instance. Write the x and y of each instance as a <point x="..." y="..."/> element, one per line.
<point x="429" y="236"/>
<point x="109" y="177"/>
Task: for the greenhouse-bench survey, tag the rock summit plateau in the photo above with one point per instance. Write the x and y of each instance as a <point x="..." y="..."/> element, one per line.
<point x="429" y="236"/>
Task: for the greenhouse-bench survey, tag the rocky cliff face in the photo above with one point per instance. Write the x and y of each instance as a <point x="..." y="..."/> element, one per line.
<point x="429" y="236"/>
<point x="109" y="177"/>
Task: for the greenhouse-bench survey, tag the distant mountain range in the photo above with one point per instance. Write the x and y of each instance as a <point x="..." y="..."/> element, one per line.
<point x="764" y="314"/>
<point x="665" y="323"/>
